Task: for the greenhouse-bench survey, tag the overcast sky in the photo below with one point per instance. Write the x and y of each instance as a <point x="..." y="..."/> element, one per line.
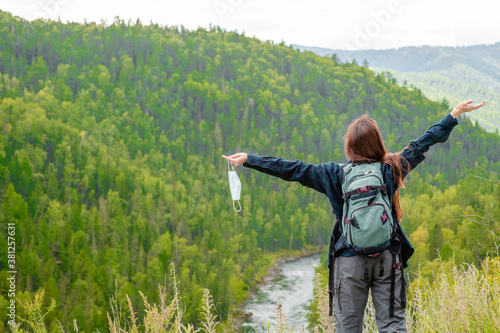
<point x="348" y="24"/>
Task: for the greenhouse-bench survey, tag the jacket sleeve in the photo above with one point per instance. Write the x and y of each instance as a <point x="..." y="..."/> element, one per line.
<point x="319" y="177"/>
<point x="437" y="133"/>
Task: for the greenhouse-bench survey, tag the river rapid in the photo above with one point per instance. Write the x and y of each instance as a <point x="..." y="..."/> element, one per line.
<point x="294" y="287"/>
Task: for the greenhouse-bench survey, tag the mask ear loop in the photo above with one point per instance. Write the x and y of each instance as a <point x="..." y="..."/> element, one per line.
<point x="237" y="211"/>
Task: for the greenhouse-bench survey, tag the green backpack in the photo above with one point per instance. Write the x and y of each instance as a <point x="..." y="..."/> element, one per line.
<point x="367" y="223"/>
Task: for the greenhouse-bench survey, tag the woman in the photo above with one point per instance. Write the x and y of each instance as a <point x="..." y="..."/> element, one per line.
<point x="351" y="281"/>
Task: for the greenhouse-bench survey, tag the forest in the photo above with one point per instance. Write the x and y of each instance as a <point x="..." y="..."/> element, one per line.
<point x="110" y="163"/>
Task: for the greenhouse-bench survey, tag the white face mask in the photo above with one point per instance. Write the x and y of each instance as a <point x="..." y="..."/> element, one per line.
<point x="234" y="185"/>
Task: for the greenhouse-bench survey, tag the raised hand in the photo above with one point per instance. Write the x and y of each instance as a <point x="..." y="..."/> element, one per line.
<point x="236" y="159"/>
<point x="465" y="107"/>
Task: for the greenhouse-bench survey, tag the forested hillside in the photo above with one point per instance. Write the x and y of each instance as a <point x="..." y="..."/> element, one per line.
<point x="110" y="165"/>
<point x="456" y="224"/>
<point x="440" y="72"/>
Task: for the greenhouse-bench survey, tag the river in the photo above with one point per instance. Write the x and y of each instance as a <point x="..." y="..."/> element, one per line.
<point x="295" y="290"/>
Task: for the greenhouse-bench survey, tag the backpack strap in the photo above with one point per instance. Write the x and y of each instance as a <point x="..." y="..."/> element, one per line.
<point x="331" y="283"/>
<point x="365" y="273"/>
<point x="395" y="249"/>
<point x="381" y="270"/>
<point x="402" y="294"/>
<point x="360" y="190"/>
<point x="393" y="283"/>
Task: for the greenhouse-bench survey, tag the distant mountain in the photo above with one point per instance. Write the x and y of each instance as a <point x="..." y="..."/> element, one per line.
<point x="454" y="73"/>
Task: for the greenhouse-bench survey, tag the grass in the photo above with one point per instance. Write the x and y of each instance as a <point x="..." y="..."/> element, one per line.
<point x="467" y="299"/>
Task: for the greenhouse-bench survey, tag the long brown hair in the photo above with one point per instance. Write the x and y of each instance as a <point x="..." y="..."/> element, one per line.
<point x="363" y="143"/>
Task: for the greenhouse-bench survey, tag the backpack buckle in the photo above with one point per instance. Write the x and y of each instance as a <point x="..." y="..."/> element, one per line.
<point x="363" y="189"/>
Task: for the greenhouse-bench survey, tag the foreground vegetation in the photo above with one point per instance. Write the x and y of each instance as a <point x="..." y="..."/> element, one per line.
<point x="461" y="299"/>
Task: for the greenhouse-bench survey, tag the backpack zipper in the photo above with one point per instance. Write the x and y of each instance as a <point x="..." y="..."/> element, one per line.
<point x="373" y="204"/>
<point x="363" y="176"/>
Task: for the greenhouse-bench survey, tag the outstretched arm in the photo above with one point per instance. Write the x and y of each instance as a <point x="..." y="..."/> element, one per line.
<point x="439" y="132"/>
<point x="319" y="177"/>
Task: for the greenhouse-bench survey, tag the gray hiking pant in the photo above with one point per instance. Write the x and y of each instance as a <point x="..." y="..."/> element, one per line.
<point x="351" y="293"/>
